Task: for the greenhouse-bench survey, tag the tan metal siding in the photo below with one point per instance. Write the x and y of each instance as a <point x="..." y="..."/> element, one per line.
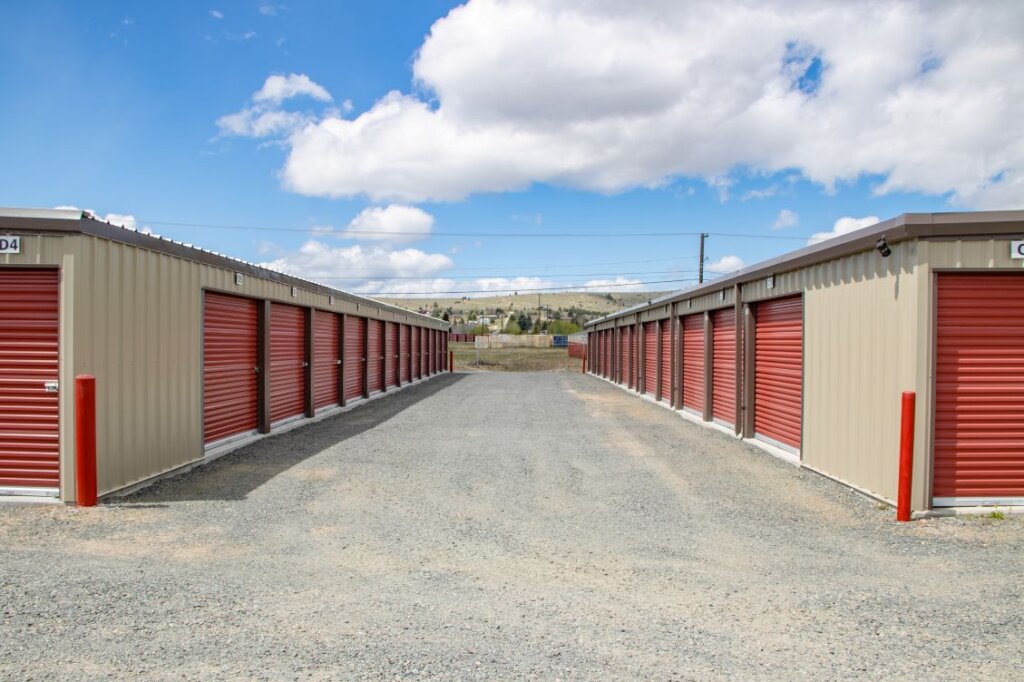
<point x="860" y="343"/>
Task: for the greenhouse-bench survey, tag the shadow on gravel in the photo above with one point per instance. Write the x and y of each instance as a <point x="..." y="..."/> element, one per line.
<point x="235" y="475"/>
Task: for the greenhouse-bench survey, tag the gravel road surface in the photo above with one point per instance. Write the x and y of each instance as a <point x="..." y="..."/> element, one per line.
<point x="505" y="526"/>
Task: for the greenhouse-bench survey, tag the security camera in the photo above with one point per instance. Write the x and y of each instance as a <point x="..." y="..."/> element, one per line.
<point x="883" y="247"/>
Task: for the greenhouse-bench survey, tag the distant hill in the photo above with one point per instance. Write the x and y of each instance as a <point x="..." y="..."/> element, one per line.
<point x="570" y="306"/>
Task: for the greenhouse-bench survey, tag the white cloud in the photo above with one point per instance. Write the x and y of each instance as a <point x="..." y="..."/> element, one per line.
<point x="617" y="284"/>
<point x="125" y="220"/>
<point x="762" y="193"/>
<point x="264" y="117"/>
<point x="216" y="14"/>
<point x="269" y="10"/>
<point x="392" y="223"/>
<point x="724" y="265"/>
<point x="786" y="218"/>
<point x="607" y="96"/>
<point x="317" y="260"/>
<point x="276" y="89"/>
<point x="843" y="226"/>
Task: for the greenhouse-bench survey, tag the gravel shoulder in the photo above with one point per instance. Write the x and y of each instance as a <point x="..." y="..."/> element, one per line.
<point x="509" y="526"/>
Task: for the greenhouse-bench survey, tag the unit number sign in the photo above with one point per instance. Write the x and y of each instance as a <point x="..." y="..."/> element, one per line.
<point x="1017" y="249"/>
<point x="10" y="244"/>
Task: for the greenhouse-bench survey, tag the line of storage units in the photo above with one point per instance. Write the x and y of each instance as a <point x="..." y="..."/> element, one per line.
<point x="194" y="353"/>
<point x="808" y="355"/>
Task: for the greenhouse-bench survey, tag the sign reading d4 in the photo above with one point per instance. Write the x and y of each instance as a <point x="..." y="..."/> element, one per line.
<point x="10" y="244"/>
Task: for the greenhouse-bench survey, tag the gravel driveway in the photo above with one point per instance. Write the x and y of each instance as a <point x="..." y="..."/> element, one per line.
<point x="498" y="526"/>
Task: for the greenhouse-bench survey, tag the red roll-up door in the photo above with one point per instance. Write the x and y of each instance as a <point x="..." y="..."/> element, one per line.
<point x="391" y="350"/>
<point x="424" y="365"/>
<point x="355" y="357"/>
<point x="230" y="360"/>
<point x="414" y="350"/>
<point x="432" y="351"/>
<point x="666" y="360"/>
<point x="779" y="370"/>
<point x="693" y="362"/>
<point x="405" y="372"/>
<point x="624" y="355"/>
<point x="29" y="338"/>
<point x="979" y="390"/>
<point x="287" y="361"/>
<point x="607" y="354"/>
<point x="723" y="365"/>
<point x="650" y="357"/>
<point x="375" y="356"/>
<point x="326" y="358"/>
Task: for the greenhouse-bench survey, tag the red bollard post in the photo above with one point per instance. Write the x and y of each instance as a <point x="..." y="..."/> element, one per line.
<point x="451" y="361"/>
<point x="85" y="440"/>
<point x="906" y="458"/>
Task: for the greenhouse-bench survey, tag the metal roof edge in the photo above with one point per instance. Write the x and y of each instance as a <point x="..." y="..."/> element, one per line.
<point x="41" y="213"/>
<point x="897" y="229"/>
<point x="79" y="222"/>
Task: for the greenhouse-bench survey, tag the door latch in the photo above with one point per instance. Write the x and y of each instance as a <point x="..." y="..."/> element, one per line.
<point x="50" y="386"/>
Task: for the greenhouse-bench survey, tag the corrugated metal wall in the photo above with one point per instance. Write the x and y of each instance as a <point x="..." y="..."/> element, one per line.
<point x="133" y="318"/>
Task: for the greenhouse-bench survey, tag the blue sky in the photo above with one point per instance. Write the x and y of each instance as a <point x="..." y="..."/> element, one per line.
<point x="507" y="119"/>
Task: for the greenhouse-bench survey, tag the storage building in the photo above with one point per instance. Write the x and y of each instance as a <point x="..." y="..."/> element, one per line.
<point x="807" y="355"/>
<point x="194" y="353"/>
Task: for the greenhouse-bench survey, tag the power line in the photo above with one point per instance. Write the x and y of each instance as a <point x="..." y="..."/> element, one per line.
<point x="548" y="275"/>
<point x="497" y="292"/>
<point x="501" y="235"/>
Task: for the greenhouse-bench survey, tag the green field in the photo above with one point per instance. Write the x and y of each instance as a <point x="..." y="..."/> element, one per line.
<point x="468" y="359"/>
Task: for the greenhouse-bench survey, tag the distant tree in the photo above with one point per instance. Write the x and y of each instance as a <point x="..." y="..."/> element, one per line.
<point x="557" y="314"/>
<point x="472" y="317"/>
<point x="446" y="317"/>
<point x="513" y="327"/>
<point x="562" y="327"/>
<point x="524" y="321"/>
<point x="480" y="330"/>
<point x="610" y="297"/>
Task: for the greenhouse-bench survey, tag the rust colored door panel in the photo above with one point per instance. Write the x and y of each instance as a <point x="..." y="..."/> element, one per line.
<point x="624" y="355"/>
<point x="979" y="386"/>
<point x="230" y="361"/>
<point x="391" y="361"/>
<point x="650" y="357"/>
<point x="405" y="372"/>
<point x="666" y="360"/>
<point x="287" y="361"/>
<point x="723" y="365"/>
<point x="375" y="355"/>
<point x="29" y="336"/>
<point x="606" y="353"/>
<point x="326" y="357"/>
<point x="693" y="362"/>
<point x="414" y="349"/>
<point x="432" y="341"/>
<point x="778" y="370"/>
<point x="355" y="357"/>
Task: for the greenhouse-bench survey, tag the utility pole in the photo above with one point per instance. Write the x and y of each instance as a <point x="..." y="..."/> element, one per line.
<point x="700" y="266"/>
